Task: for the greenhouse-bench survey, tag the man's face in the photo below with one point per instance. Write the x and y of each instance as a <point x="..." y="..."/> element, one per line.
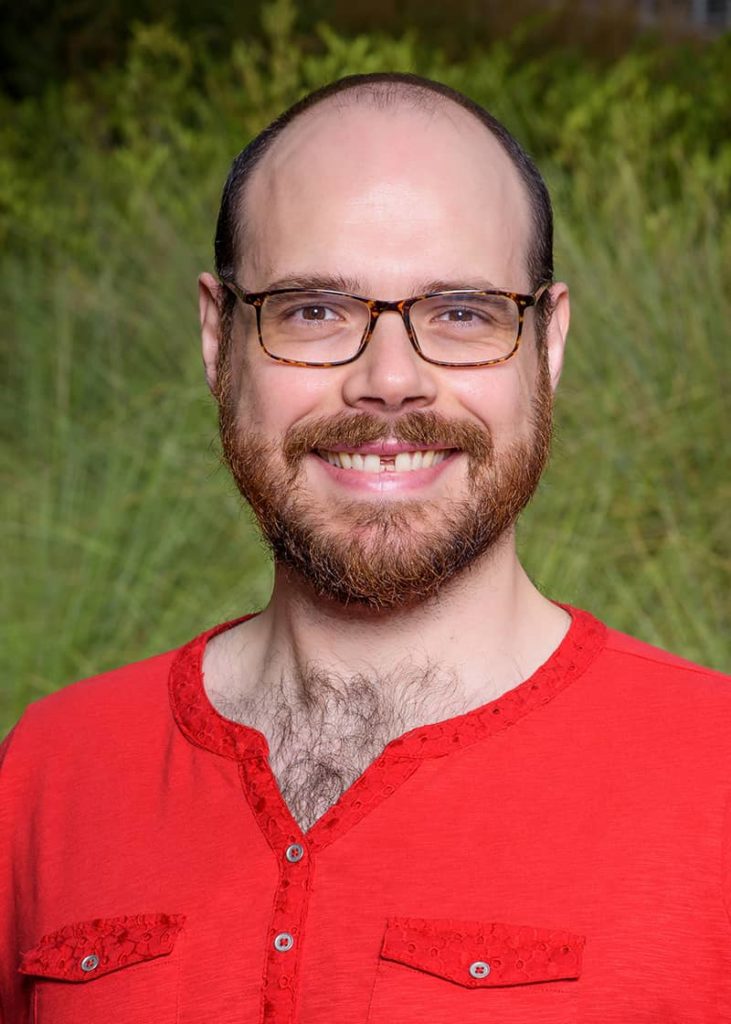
<point x="384" y="204"/>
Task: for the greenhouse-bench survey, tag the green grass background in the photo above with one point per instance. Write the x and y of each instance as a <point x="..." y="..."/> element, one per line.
<point x="123" y="536"/>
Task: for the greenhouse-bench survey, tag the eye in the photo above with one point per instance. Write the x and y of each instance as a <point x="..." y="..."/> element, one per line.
<point x="467" y="315"/>
<point x="314" y="313"/>
<point x="459" y="314"/>
<point x="311" y="315"/>
<point x="300" y="308"/>
<point x="473" y="313"/>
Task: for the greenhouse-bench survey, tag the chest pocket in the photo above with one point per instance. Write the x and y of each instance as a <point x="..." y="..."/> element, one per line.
<point x="116" y="969"/>
<point x="446" y="972"/>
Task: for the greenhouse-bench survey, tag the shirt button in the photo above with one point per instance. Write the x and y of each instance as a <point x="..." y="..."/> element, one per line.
<point x="283" y="942"/>
<point x="294" y="853"/>
<point x="90" y="963"/>
<point x="479" y="969"/>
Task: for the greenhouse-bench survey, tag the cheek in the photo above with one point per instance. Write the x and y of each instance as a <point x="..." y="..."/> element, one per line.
<point x="271" y="396"/>
<point x="500" y="397"/>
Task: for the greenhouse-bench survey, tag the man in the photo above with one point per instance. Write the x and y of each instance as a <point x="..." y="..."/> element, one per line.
<point x="412" y="788"/>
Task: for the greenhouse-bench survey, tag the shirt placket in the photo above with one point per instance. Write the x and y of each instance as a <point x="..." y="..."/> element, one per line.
<point x="285" y="935"/>
<point x="296" y="854"/>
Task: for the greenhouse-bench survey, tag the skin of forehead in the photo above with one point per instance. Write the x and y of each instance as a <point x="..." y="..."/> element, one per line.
<point x="354" y="172"/>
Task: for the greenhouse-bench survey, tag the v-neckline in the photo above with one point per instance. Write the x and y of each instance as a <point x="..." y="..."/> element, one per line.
<point x="203" y="725"/>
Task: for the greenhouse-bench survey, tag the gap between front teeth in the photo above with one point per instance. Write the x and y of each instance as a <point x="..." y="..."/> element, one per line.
<point x="403" y="462"/>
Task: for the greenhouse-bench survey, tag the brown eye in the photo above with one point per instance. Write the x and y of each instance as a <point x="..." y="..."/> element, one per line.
<point x="460" y="315"/>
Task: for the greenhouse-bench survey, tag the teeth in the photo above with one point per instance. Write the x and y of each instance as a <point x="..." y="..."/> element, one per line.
<point x="403" y="462"/>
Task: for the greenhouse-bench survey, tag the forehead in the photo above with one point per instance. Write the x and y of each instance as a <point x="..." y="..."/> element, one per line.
<point x="386" y="196"/>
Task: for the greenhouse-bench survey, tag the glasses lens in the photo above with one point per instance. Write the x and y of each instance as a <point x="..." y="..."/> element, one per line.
<point x="313" y="327"/>
<point x="464" y="327"/>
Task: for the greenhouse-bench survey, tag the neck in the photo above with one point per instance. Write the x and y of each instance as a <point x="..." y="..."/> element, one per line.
<point x="486" y="632"/>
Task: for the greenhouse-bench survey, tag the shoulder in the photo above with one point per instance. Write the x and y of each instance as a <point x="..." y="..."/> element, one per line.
<point x="643" y="714"/>
<point x="87" y="719"/>
<point x="653" y="692"/>
<point x="611" y="655"/>
<point x="644" y="661"/>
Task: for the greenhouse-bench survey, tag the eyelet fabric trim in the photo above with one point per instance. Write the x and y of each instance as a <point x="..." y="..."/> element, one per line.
<point x="513" y="954"/>
<point x="103" y="945"/>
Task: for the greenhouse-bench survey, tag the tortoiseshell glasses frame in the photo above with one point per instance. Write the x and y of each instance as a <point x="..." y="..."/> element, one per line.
<point x="378" y="306"/>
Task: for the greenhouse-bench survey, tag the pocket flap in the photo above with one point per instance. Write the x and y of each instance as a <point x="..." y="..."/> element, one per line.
<point x="483" y="955"/>
<point x="90" y="949"/>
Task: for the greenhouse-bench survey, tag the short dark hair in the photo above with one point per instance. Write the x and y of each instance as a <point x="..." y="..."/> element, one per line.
<point x="384" y="89"/>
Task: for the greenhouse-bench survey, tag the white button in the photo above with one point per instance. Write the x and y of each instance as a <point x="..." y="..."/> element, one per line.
<point x="294" y="853"/>
<point x="479" y="969"/>
<point x="90" y="963"/>
<point x="283" y="942"/>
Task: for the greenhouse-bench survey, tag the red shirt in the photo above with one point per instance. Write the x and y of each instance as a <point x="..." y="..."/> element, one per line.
<point x="559" y="855"/>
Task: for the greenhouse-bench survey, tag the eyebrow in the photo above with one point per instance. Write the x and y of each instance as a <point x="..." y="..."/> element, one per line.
<point x="353" y="286"/>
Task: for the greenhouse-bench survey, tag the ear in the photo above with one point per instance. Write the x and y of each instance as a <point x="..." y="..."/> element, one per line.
<point x="557" y="330"/>
<point x="209" y="298"/>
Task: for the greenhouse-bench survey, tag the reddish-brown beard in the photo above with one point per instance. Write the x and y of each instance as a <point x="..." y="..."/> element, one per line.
<point x="385" y="554"/>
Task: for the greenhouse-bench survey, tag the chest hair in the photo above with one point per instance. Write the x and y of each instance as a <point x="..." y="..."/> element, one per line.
<point x="324" y="732"/>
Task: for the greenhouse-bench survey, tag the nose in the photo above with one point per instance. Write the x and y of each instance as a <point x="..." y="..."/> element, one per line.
<point x="390" y="376"/>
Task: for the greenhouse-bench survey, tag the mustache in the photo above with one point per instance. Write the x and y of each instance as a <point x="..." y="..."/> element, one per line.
<point x="421" y="428"/>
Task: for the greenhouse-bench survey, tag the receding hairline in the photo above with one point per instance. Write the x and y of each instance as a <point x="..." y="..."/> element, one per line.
<point x="377" y="95"/>
<point x="398" y="97"/>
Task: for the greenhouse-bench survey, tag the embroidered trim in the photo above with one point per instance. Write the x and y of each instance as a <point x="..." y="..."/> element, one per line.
<point x="89" y="949"/>
<point x="483" y="955"/>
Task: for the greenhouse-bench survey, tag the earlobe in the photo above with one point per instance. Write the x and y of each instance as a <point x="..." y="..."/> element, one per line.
<point x="210" y="320"/>
<point x="557" y="330"/>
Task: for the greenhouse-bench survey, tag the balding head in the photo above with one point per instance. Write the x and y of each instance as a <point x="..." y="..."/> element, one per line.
<point x="391" y="201"/>
<point x="435" y="120"/>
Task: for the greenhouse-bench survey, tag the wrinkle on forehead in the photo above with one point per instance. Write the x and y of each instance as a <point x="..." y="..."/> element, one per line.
<point x="405" y="171"/>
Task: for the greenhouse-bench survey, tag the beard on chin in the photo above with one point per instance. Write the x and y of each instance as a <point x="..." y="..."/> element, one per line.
<point x="384" y="554"/>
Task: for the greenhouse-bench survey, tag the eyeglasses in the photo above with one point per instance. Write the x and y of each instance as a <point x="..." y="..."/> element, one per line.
<point x="325" y="328"/>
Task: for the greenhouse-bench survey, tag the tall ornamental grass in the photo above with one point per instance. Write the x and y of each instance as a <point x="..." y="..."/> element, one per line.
<point x="123" y="536"/>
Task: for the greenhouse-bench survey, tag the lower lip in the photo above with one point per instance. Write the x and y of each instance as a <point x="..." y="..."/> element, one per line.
<point x="386" y="481"/>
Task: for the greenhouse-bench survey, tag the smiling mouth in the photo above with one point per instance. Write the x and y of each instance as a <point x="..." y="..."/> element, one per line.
<point x="401" y="462"/>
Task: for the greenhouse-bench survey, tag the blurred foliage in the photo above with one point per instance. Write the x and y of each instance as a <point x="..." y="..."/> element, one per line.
<point x="171" y="108"/>
<point x="43" y="42"/>
<point x="123" y="536"/>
